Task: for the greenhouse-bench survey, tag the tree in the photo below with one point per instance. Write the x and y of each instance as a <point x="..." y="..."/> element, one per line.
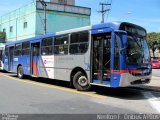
<point x="158" y="46"/>
<point x="158" y="37"/>
<point x="153" y="41"/>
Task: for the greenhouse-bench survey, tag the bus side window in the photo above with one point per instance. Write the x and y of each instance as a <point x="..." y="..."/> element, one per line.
<point x="61" y="45"/>
<point x="18" y="49"/>
<point x="26" y="48"/>
<point x="46" y="48"/>
<point x="79" y="43"/>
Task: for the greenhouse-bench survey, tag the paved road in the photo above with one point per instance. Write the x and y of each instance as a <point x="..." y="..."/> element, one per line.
<point x="156" y="72"/>
<point x="36" y="96"/>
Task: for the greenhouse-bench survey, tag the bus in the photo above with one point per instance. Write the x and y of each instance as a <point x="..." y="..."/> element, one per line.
<point x="1" y="57"/>
<point x="114" y="54"/>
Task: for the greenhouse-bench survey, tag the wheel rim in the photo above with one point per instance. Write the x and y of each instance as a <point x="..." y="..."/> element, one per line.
<point x="82" y="81"/>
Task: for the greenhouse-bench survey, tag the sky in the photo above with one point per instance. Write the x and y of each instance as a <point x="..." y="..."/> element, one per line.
<point x="145" y="13"/>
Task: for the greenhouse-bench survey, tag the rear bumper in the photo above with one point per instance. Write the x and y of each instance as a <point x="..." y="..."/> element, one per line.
<point x="130" y="80"/>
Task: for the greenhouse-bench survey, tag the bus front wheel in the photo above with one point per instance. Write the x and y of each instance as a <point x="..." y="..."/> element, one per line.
<point x="20" y="72"/>
<point x="80" y="82"/>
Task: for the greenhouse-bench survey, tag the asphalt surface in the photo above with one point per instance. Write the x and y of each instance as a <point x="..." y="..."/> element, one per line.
<point x="44" y="96"/>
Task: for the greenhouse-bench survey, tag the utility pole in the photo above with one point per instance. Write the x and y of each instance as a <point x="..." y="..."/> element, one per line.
<point x="103" y="11"/>
<point x="45" y="15"/>
<point x="16" y="28"/>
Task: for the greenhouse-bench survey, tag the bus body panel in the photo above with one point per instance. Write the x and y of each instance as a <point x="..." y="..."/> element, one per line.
<point x="60" y="67"/>
<point x="6" y="63"/>
<point x="47" y="66"/>
<point x="115" y="80"/>
<point x="24" y="61"/>
<point x="26" y="65"/>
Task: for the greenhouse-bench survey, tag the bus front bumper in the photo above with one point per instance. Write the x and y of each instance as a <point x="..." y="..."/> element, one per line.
<point x="130" y="80"/>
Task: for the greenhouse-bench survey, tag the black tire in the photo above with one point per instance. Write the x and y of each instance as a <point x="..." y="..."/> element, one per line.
<point x="80" y="82"/>
<point x="20" y="72"/>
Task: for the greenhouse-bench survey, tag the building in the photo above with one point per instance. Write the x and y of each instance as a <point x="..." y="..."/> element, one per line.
<point x="67" y="2"/>
<point x="28" y="21"/>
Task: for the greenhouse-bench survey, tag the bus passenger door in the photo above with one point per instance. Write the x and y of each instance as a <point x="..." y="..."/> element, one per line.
<point x="35" y="51"/>
<point x="10" y="58"/>
<point x="101" y="58"/>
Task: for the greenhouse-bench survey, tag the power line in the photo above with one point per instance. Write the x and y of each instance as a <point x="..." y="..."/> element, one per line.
<point x="42" y="22"/>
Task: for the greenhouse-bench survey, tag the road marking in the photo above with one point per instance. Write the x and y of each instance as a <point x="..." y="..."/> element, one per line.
<point x="155" y="102"/>
<point x="55" y="87"/>
<point x="153" y="85"/>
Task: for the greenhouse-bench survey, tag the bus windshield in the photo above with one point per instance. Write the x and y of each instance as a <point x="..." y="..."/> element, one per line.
<point x="137" y="50"/>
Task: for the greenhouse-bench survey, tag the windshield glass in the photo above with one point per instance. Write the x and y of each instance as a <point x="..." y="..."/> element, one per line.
<point x="137" y="50"/>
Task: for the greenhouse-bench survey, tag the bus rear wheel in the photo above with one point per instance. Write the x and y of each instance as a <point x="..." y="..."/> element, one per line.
<point x="20" y="72"/>
<point x="80" y="82"/>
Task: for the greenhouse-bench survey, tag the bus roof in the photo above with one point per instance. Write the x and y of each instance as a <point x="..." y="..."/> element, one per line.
<point x="112" y="25"/>
<point x="74" y="30"/>
<point x="31" y="39"/>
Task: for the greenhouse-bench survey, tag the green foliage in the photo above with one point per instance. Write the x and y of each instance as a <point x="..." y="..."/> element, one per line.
<point x="2" y="37"/>
<point x="153" y="41"/>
